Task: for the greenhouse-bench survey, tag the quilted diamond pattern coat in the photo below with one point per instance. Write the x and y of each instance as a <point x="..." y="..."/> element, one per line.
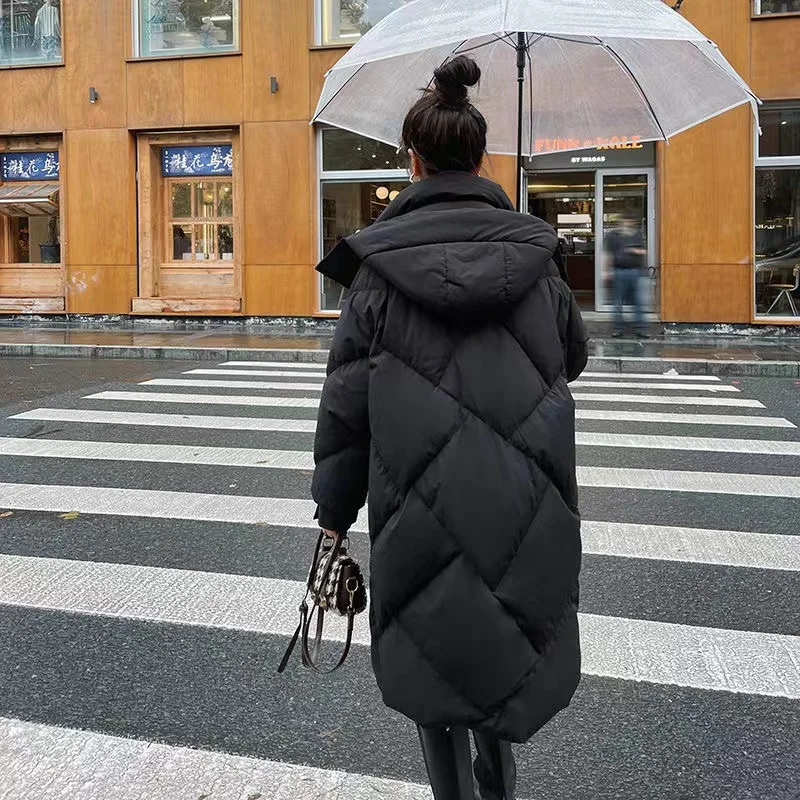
<point x="447" y="401"/>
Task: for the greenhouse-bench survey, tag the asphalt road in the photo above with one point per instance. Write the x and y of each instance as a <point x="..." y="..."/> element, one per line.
<point x="703" y="718"/>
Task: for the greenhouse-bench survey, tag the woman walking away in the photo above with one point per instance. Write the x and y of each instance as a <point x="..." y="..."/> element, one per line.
<point x="447" y="400"/>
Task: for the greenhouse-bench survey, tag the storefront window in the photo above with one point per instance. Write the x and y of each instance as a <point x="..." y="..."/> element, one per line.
<point x="360" y="177"/>
<point x="776" y="6"/>
<point x="30" y="32"/>
<point x="778" y="242"/>
<point x="178" y="27"/>
<point x="777" y="211"/>
<point x="345" y="21"/>
<point x="200" y="223"/>
<point x="30" y="220"/>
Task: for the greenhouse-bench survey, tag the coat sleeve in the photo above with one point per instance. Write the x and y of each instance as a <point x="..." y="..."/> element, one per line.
<point x="574" y="339"/>
<point x="341" y="448"/>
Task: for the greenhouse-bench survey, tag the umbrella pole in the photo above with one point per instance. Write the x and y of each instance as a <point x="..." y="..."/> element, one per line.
<point x="521" y="52"/>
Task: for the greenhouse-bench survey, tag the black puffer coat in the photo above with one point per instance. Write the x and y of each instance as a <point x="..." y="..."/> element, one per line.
<point x="447" y="397"/>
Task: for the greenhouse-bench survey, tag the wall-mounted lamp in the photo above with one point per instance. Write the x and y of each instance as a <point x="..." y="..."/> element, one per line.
<point x="93" y="96"/>
<point x="273" y="85"/>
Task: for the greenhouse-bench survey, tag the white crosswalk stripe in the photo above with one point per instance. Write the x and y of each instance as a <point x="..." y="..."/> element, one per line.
<point x="198" y="421"/>
<point x="258" y="400"/>
<point x="234" y="384"/>
<point x="95" y="567"/>
<point x="650" y="376"/>
<point x="262" y="372"/>
<point x="628" y="384"/>
<point x="309" y="426"/>
<point x="34" y="758"/>
<point x="736" y="661"/>
<point x="665" y="400"/>
<point x="670" y="418"/>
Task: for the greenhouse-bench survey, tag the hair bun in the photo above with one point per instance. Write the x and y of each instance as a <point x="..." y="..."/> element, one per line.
<point x="450" y="81"/>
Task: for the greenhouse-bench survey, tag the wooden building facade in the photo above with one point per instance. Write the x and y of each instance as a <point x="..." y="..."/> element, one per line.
<point x="157" y="159"/>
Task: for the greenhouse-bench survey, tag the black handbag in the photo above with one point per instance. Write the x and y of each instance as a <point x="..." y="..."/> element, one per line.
<point x="335" y="584"/>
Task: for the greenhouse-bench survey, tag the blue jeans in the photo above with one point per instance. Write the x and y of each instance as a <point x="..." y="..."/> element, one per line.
<point x="628" y="292"/>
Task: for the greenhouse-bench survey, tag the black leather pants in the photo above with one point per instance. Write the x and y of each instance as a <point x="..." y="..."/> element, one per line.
<point x="447" y="759"/>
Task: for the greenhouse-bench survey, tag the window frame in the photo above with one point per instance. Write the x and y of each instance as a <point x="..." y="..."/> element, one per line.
<point x="771" y="163"/>
<point x="170" y="222"/>
<point x="136" y="39"/>
<point x="322" y="21"/>
<point x="757" y="13"/>
<point x="43" y="64"/>
<point x="342" y="176"/>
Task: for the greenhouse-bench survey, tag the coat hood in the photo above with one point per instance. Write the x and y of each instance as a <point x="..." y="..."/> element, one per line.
<point x="453" y="244"/>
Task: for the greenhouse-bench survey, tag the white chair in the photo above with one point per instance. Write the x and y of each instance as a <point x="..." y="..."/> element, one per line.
<point x="786" y="290"/>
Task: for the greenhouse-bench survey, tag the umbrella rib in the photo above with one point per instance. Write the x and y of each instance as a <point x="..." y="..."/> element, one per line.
<point x="497" y="38"/>
<point x="336" y="93"/>
<point x="637" y="84"/>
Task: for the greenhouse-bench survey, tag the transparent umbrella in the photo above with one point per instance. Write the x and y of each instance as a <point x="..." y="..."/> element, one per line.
<point x="563" y="75"/>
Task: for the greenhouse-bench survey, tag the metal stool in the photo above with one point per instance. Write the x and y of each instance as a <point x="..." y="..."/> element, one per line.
<point x="786" y="290"/>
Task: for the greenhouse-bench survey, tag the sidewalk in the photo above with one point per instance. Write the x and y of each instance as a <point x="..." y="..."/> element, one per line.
<point x="704" y="354"/>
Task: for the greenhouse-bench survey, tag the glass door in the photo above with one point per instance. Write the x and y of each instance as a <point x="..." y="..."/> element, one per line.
<point x="626" y="196"/>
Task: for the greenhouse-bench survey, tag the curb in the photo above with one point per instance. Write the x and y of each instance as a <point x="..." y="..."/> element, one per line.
<point x="617" y="364"/>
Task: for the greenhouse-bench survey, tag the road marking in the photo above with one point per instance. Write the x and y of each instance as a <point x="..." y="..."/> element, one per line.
<point x="301" y="402"/>
<point x="35" y="758"/>
<point x="234" y="384"/>
<point x="664" y="480"/>
<point x="690" y="387"/>
<point x="683" y="419"/>
<point x="667" y="400"/>
<point x="158" y="453"/>
<point x="264" y="373"/>
<point x="207" y="399"/>
<point x="163" y="504"/>
<point x="313" y="365"/>
<point x="692" y="545"/>
<point x="650" y="376"/>
<point x="628" y="649"/>
<point x="766" y="551"/>
<point x="689" y="443"/>
<point x="169" y="420"/>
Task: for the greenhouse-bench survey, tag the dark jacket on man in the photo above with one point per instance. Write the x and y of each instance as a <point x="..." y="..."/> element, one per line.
<point x="447" y="397"/>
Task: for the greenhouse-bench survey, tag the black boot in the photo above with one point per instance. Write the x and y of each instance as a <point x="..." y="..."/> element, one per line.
<point x="447" y="759"/>
<point x="495" y="768"/>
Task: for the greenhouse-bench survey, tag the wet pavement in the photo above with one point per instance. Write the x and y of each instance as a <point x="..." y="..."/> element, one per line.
<point x="228" y="335"/>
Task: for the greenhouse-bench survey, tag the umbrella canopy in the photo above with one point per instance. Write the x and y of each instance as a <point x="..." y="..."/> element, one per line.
<point x="596" y="72"/>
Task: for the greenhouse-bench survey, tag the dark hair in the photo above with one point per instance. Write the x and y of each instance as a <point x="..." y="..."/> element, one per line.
<point x="443" y="128"/>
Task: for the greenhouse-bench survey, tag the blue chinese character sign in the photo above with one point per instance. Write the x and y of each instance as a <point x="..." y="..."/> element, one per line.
<point x="29" y="166"/>
<point x="203" y="161"/>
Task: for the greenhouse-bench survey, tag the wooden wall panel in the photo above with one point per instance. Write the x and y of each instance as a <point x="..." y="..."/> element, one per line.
<point x="31" y="282"/>
<point x="38" y="102"/>
<point x="502" y="170"/>
<point x="288" y="290"/>
<point x="212" y="90"/>
<point x="195" y="282"/>
<point x="706" y="189"/>
<point x="100" y="203"/>
<point x="775" y="66"/>
<point x="101" y="289"/>
<point x="706" y="292"/>
<point x="155" y="94"/>
<point x="275" y="39"/>
<point x="94" y="44"/>
<point x="6" y="97"/>
<point x="727" y="23"/>
<point x="280" y="217"/>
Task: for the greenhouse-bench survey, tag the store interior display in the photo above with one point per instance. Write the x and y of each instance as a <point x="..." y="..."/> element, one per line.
<point x="30" y="31"/>
<point x="186" y="25"/>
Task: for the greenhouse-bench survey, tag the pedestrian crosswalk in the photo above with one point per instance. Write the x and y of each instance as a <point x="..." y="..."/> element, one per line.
<point x="180" y="649"/>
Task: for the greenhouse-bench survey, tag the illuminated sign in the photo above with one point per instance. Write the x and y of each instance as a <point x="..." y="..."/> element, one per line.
<point x="598" y="143"/>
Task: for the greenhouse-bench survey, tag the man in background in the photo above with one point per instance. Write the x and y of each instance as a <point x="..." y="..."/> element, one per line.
<point x="626" y="252"/>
